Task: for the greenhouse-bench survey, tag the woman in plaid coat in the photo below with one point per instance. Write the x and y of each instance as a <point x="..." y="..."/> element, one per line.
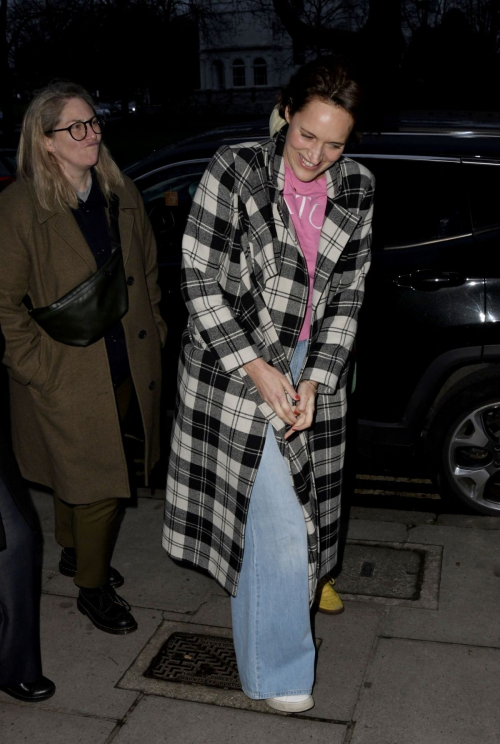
<point x="275" y="255"/>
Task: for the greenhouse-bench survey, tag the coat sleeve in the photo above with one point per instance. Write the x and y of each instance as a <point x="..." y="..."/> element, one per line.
<point x="151" y="269"/>
<point x="22" y="337"/>
<point x="207" y="247"/>
<point x="330" y="352"/>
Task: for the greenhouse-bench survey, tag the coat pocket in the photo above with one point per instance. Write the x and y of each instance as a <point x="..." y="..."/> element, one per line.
<point x="39" y="379"/>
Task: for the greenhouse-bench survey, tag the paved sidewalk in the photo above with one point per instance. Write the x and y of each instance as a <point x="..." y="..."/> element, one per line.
<point x="391" y="670"/>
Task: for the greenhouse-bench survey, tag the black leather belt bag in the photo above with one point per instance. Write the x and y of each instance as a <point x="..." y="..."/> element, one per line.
<point x="82" y="316"/>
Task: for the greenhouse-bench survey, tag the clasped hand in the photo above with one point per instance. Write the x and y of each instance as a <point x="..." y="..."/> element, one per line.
<point x="293" y="407"/>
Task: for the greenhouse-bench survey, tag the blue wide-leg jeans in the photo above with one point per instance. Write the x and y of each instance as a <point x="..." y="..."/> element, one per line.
<point x="271" y="619"/>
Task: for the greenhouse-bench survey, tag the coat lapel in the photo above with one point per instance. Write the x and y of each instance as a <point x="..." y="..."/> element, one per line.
<point x="126" y="225"/>
<point x="284" y="225"/>
<point x="128" y="205"/>
<point x="66" y="226"/>
<point x="338" y="226"/>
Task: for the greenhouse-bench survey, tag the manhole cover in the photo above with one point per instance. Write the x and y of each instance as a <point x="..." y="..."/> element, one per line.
<point x="381" y="571"/>
<point x="196" y="659"/>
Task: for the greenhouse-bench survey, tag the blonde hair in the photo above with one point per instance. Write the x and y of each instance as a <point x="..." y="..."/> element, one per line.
<point x="36" y="164"/>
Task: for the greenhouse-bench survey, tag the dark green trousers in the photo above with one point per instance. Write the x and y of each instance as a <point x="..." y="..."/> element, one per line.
<point x="89" y="528"/>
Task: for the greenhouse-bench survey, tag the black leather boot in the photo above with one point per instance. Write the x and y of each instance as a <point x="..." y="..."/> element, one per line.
<point x="31" y="692"/>
<point x="67" y="566"/>
<point x="106" y="610"/>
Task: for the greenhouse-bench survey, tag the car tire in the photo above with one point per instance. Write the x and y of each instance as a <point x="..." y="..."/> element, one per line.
<point x="463" y="445"/>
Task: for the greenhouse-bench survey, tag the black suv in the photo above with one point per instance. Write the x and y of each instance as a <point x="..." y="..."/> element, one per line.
<point x="428" y="347"/>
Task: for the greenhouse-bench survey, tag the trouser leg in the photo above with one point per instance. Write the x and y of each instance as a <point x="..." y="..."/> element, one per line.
<point x="93" y="530"/>
<point x="63" y="514"/>
<point x="89" y="529"/>
<point x="19" y="598"/>
<point x="271" y="619"/>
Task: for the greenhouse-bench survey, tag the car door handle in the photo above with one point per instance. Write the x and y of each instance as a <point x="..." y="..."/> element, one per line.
<point x="430" y="281"/>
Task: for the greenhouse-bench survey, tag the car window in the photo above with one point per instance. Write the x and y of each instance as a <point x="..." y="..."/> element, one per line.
<point x="182" y="179"/>
<point x="417" y="201"/>
<point x="483" y="181"/>
<point x="167" y="196"/>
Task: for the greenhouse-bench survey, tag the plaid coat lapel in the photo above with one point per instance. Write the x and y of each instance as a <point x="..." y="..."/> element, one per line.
<point x="338" y="227"/>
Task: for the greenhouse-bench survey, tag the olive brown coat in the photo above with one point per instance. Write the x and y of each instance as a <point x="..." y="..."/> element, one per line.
<point x="65" y="427"/>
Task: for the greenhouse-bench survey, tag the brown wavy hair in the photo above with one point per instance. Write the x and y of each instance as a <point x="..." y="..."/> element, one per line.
<point x="36" y="164"/>
<point x="330" y="79"/>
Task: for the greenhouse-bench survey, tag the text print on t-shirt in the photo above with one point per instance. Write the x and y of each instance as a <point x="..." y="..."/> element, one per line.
<point x="305" y="207"/>
<point x="306" y="203"/>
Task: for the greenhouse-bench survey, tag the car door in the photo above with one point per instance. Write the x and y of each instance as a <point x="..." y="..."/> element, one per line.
<point x="425" y="289"/>
<point x="483" y="179"/>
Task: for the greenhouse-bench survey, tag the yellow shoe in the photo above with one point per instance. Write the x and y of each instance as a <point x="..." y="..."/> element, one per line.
<point x="327" y="598"/>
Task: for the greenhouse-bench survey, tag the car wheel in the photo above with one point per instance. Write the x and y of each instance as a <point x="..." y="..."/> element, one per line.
<point x="464" y="446"/>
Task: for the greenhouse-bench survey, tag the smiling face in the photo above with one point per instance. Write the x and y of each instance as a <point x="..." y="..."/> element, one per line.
<point x="316" y="138"/>
<point x="75" y="158"/>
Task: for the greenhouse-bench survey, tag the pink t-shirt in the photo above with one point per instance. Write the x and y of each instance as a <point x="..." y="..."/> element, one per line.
<point x="306" y="203"/>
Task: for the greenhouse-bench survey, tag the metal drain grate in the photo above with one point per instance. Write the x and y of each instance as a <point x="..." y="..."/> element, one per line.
<point x="196" y="659"/>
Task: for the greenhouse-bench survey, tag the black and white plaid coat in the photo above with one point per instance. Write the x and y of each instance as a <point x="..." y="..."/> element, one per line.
<point x="246" y="286"/>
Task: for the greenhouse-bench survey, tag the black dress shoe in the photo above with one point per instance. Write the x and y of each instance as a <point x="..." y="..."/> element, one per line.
<point x="106" y="610"/>
<point x="31" y="692"/>
<point x="67" y="566"/>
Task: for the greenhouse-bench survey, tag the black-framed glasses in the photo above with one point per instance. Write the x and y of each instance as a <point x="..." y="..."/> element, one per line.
<point x="79" y="129"/>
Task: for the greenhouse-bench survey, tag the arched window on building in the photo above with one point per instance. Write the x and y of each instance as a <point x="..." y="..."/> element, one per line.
<point x="259" y="71"/>
<point x="239" y="73"/>
<point x="218" y="75"/>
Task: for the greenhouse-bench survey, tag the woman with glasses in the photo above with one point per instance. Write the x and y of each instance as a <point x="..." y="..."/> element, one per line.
<point x="69" y="215"/>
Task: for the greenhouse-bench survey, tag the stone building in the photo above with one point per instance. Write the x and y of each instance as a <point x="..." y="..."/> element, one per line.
<point x="245" y="58"/>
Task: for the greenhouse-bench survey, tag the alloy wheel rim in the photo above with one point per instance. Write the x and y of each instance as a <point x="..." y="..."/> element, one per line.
<point x="474" y="456"/>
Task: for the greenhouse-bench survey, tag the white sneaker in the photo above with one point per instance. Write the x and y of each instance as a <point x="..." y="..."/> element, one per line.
<point x="291" y="703"/>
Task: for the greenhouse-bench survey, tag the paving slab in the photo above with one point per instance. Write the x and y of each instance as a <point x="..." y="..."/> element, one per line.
<point x="86" y="663"/>
<point x="469" y="598"/>
<point x="346" y="646"/>
<point x="30" y="723"/>
<point x="161" y="721"/>
<point x="152" y="579"/>
<point x="476" y="522"/>
<point x="429" y="693"/>
<point x="215" y="611"/>
<point x="347" y="643"/>
<point x="391" y="515"/>
<point x="365" y="529"/>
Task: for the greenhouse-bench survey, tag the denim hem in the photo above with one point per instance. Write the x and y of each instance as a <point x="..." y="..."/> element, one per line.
<point x="265" y="696"/>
